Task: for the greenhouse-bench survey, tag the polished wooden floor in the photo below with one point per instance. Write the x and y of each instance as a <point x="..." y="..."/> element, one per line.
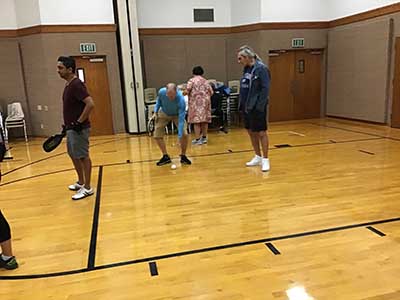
<point x="206" y="226"/>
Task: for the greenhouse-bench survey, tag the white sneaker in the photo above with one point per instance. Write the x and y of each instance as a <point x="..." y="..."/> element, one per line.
<point x="83" y="193"/>
<point x="204" y="140"/>
<point x="75" y="187"/>
<point x="197" y="142"/>
<point x="256" y="161"/>
<point x="265" y="165"/>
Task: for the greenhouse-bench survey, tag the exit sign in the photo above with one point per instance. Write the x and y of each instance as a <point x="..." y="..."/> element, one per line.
<point x="298" y="43"/>
<point x="87" y="48"/>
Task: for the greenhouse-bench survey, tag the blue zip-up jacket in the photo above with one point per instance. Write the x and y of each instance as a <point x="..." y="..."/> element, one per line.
<point x="257" y="98"/>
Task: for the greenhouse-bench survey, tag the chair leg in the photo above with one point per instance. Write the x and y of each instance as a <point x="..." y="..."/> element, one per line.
<point x="6" y="134"/>
<point x="26" y="136"/>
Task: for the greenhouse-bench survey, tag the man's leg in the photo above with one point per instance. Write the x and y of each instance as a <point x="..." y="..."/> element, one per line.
<point x="184" y="142"/>
<point x="79" y="170"/>
<point x="86" y="164"/>
<point x="80" y="151"/>
<point x="263" y="137"/>
<point x="255" y="142"/>
<point x="161" y="144"/>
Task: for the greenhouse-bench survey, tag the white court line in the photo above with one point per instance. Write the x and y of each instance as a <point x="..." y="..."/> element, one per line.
<point x="285" y="132"/>
<point x="296" y="133"/>
<point x="277" y="132"/>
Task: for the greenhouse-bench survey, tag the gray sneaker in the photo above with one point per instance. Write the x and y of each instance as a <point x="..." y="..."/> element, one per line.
<point x="197" y="141"/>
<point x="75" y="187"/>
<point x="204" y="140"/>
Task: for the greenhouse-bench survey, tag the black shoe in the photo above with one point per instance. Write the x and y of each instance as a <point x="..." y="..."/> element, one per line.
<point x="164" y="160"/>
<point x="185" y="160"/>
<point x="9" y="264"/>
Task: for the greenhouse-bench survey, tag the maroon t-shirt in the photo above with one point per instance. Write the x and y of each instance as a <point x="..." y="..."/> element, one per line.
<point x="74" y="94"/>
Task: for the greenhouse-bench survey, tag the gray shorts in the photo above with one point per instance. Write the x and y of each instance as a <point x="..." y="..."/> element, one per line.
<point x="78" y="143"/>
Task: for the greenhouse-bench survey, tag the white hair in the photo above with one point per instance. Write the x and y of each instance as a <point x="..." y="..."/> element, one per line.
<point x="247" y="51"/>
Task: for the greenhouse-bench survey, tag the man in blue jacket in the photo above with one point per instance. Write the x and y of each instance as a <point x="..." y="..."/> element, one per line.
<point x="170" y="106"/>
<point x="254" y="91"/>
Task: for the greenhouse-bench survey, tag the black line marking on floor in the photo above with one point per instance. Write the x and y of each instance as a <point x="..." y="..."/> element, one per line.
<point x="201" y="155"/>
<point x="230" y="151"/>
<point x="374" y="230"/>
<point x="153" y="268"/>
<point x="95" y="223"/>
<point x="366" y="152"/>
<point x="202" y="250"/>
<point x="283" y="146"/>
<point x="59" y="154"/>
<point x="36" y="176"/>
<point x="333" y="141"/>
<point x="33" y="163"/>
<point x="356" y="131"/>
<point x="110" y="151"/>
<point x="304" y="145"/>
<point x="273" y="249"/>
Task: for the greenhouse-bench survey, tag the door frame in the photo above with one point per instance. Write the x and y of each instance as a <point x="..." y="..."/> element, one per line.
<point x="396" y="83"/>
<point x="324" y="73"/>
<point x="94" y="56"/>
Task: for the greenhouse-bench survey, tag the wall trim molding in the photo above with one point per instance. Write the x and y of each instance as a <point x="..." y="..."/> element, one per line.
<point x="234" y="29"/>
<point x="57" y="29"/>
<point x="367" y="15"/>
<point x="371" y="14"/>
<point x="363" y="16"/>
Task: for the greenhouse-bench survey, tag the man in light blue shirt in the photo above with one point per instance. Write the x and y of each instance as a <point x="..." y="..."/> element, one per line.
<point x="170" y="106"/>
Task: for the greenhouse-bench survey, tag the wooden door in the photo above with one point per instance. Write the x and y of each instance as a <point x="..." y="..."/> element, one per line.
<point x="395" y="119"/>
<point x="281" y="92"/>
<point x="307" y="85"/>
<point x="93" y="72"/>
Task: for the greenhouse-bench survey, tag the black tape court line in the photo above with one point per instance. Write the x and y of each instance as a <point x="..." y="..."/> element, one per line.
<point x="195" y="156"/>
<point x="202" y="250"/>
<point x="273" y="249"/>
<point x="153" y="268"/>
<point x="366" y="152"/>
<point x="374" y="230"/>
<point x="356" y="131"/>
<point x="58" y="154"/>
<point x="95" y="223"/>
<point x="283" y="146"/>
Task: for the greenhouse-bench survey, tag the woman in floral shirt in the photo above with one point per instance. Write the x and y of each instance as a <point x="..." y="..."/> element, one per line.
<point x="200" y="92"/>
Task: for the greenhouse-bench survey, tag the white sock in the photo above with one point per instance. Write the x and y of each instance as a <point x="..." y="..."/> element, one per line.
<point x="5" y="257"/>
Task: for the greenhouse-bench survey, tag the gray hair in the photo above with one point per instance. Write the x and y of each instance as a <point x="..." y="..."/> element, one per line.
<point x="171" y="86"/>
<point x="247" y="51"/>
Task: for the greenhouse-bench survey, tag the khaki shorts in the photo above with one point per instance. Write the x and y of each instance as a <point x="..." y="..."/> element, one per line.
<point x="163" y="120"/>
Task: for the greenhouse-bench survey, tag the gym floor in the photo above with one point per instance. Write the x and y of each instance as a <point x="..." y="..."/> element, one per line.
<point x="324" y="223"/>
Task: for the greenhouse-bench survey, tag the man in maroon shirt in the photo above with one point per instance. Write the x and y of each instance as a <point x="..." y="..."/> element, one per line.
<point x="77" y="105"/>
